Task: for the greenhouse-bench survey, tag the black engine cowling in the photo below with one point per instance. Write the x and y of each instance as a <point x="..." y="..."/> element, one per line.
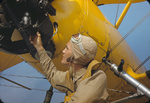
<point x="28" y="17"/>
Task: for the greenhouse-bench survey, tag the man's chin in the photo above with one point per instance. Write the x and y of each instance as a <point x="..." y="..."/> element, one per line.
<point x="64" y="63"/>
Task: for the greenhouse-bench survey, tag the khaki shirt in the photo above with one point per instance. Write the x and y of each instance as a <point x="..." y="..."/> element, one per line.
<point x="89" y="90"/>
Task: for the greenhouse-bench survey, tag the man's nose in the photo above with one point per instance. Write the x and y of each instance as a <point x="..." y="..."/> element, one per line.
<point x="63" y="51"/>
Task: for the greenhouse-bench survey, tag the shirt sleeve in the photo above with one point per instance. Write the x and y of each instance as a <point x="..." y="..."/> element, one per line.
<point x="91" y="90"/>
<point x="54" y="76"/>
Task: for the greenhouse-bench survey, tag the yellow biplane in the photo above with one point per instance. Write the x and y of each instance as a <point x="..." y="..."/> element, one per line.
<point x="57" y="21"/>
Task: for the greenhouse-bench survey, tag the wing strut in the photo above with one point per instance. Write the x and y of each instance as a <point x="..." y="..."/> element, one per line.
<point x="49" y="95"/>
<point x="134" y="96"/>
<point x="15" y="83"/>
<point x="123" y="14"/>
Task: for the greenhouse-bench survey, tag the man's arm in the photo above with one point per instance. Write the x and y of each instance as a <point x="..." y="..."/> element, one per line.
<point x="54" y="76"/>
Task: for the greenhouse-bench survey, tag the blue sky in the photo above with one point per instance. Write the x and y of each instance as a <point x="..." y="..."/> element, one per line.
<point x="139" y="41"/>
<point x="19" y="95"/>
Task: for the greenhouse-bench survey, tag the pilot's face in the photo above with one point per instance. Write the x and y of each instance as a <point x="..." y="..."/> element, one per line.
<point x="66" y="53"/>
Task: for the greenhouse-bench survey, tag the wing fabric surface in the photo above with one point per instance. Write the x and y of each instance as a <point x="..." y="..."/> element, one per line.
<point x="8" y="60"/>
<point x="103" y="2"/>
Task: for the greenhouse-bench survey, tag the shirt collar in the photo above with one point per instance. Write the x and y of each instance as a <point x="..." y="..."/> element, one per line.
<point x="78" y="74"/>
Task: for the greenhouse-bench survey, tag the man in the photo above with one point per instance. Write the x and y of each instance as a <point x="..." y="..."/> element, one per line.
<point x="78" y="53"/>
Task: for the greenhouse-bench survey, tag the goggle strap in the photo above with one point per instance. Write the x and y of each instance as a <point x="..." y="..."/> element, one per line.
<point x="82" y="48"/>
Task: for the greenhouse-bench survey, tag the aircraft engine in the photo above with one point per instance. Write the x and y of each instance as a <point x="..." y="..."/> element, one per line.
<point x="21" y="18"/>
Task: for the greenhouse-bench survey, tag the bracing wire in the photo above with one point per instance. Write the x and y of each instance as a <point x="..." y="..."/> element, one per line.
<point x="23" y="76"/>
<point x="5" y="61"/>
<point x="7" y="64"/>
<point x="30" y="88"/>
<point x="15" y="83"/>
<point x="140" y="22"/>
<point x="117" y="12"/>
<point x="119" y="91"/>
<point x="10" y="61"/>
<point x="142" y="63"/>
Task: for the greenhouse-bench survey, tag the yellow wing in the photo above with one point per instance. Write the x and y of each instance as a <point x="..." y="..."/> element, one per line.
<point x="101" y="2"/>
<point x="8" y="60"/>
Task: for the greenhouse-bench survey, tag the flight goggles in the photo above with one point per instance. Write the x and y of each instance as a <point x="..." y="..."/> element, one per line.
<point x="77" y="40"/>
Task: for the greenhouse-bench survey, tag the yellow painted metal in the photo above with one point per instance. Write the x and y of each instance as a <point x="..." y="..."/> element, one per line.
<point x="92" y="66"/>
<point x="68" y="98"/>
<point x="123" y="13"/>
<point x="84" y="16"/>
<point x="101" y="2"/>
<point x="8" y="60"/>
<point x="135" y="75"/>
<point x="76" y="16"/>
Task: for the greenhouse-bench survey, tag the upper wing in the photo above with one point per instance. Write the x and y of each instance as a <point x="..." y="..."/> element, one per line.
<point x="101" y="2"/>
<point x="8" y="60"/>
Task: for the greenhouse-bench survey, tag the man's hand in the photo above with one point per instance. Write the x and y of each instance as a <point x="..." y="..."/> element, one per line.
<point x="37" y="42"/>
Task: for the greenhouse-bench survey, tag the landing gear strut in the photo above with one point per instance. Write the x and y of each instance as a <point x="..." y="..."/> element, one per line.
<point x="118" y="70"/>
